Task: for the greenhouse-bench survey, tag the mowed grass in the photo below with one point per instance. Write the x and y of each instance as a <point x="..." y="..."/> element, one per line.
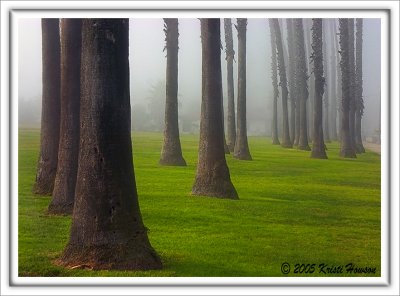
<point x="291" y="209"/>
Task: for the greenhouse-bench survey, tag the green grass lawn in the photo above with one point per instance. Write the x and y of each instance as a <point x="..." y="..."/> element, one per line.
<point x="291" y="209"/>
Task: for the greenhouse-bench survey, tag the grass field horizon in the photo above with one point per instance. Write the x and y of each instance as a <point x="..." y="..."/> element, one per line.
<point x="291" y="208"/>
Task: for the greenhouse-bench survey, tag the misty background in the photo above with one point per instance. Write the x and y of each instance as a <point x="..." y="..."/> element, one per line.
<point x="147" y="74"/>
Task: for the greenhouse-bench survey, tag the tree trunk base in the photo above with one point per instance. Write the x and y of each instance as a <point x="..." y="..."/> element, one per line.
<point x="304" y="147"/>
<point x="231" y="147"/>
<point x="242" y="156"/>
<point x="347" y="153"/>
<point x="226" y="148"/>
<point x="173" y="161"/>
<point x="360" y="149"/>
<point x="131" y="255"/>
<point x="275" y="142"/>
<point x="287" y="145"/>
<point x="320" y="154"/>
<point x="60" y="209"/>
<point x="216" y="188"/>
<point x="43" y="187"/>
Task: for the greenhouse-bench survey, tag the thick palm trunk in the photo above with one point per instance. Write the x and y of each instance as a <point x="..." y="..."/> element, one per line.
<point x="346" y="149"/>
<point x="107" y="231"/>
<point x="333" y="84"/>
<point x="241" y="150"/>
<point x="308" y="37"/>
<point x="359" y="86"/>
<point x="294" y="120"/>
<point x="353" y="92"/>
<point x="301" y="82"/>
<point x="274" y="77"/>
<point x="50" y="122"/>
<point x="327" y="93"/>
<point x="212" y="177"/>
<point x="230" y="55"/>
<point x="318" y="148"/>
<point x="338" y="84"/>
<point x="286" y="143"/>
<point x="171" y="153"/>
<point x="64" y="185"/>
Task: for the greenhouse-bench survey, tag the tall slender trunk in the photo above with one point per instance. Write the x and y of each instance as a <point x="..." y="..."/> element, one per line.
<point x="359" y="86"/>
<point x="318" y="148"/>
<point x="274" y="77"/>
<point x="65" y="180"/>
<point x="286" y="143"/>
<point x="327" y="93"/>
<point x="230" y="55"/>
<point x="308" y="37"/>
<point x="346" y="149"/>
<point x="171" y="153"/>
<point x="339" y="82"/>
<point x="107" y="231"/>
<point x="293" y="122"/>
<point x="241" y="150"/>
<point x="333" y="81"/>
<point x="301" y="82"/>
<point x="353" y="93"/>
<point x="50" y="121"/>
<point x="212" y="177"/>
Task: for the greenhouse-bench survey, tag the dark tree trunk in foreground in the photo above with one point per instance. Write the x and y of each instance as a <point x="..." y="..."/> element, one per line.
<point x="318" y="148"/>
<point x="212" y="178"/>
<point x="293" y="126"/>
<point x="107" y="231"/>
<point x="171" y="153"/>
<point x="346" y="149"/>
<point x="64" y="185"/>
<point x="359" y="86"/>
<point x="274" y="77"/>
<point x="241" y="150"/>
<point x="301" y="83"/>
<point x="50" y="122"/>
<point x="353" y="92"/>
<point x="230" y="55"/>
<point x="286" y="143"/>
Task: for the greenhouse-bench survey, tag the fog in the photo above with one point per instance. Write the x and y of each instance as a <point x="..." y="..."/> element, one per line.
<point x="147" y="74"/>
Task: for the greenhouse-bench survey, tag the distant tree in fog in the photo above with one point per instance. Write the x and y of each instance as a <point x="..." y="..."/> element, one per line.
<point x="359" y="105"/>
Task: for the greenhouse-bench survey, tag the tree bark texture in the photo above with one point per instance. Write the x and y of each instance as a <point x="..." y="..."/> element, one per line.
<point x="333" y="81"/>
<point x="241" y="150"/>
<point x="353" y="91"/>
<point x="346" y="149"/>
<point x="274" y="77"/>
<point x="318" y="147"/>
<point x="286" y="143"/>
<point x="107" y="231"/>
<point x="230" y="55"/>
<point x="212" y="177"/>
<point x="50" y="121"/>
<point x="171" y="152"/>
<point x="301" y="83"/>
<point x="308" y="37"/>
<point x="339" y="83"/>
<point x="359" y="86"/>
<point x="293" y="128"/>
<point x="64" y="186"/>
<point x="327" y="93"/>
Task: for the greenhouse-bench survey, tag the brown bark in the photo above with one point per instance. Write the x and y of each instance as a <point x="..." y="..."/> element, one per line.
<point x="241" y="150"/>
<point x="65" y="180"/>
<point x="212" y="177"/>
<point x="334" y="82"/>
<point x="274" y="77"/>
<point x="107" y="231"/>
<point x="346" y="149"/>
<point x="359" y="86"/>
<point x="50" y="121"/>
<point x="286" y="143"/>
<point x="353" y="92"/>
<point x="292" y="77"/>
<point x="301" y="83"/>
<point x="308" y="37"/>
<point x="318" y="147"/>
<point x="327" y="93"/>
<point x="230" y="55"/>
<point x="171" y="153"/>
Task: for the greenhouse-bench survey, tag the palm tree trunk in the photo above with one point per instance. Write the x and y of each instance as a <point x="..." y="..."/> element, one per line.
<point x="359" y="86"/>
<point x="294" y="114"/>
<point x="301" y="81"/>
<point x="346" y="149"/>
<point x="333" y="81"/>
<point x="241" y="150"/>
<point x="212" y="177"/>
<point x="318" y="148"/>
<point x="64" y="186"/>
<point x="327" y="93"/>
<point x="274" y="77"/>
<point x="50" y="122"/>
<point x="230" y="55"/>
<point x="286" y="143"/>
<point x="107" y="231"/>
<point x="171" y="153"/>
